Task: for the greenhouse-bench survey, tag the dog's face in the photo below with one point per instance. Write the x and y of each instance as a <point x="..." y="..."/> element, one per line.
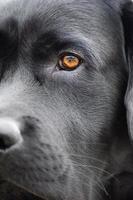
<point x="62" y="66"/>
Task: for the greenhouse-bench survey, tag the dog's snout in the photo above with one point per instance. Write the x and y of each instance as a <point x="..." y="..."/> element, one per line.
<point x="10" y="134"/>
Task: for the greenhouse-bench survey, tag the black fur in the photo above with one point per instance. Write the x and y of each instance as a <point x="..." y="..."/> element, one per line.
<point x="73" y="123"/>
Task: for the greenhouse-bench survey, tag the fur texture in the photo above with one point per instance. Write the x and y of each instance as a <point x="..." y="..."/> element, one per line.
<point x="72" y="122"/>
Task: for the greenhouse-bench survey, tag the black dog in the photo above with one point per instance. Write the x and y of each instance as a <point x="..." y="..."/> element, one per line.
<point x="63" y="72"/>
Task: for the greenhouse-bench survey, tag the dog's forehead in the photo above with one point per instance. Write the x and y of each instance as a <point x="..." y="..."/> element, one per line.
<point x="94" y="20"/>
<point x="88" y="14"/>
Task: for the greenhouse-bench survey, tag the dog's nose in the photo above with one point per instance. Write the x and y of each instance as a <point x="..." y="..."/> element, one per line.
<point x="10" y="134"/>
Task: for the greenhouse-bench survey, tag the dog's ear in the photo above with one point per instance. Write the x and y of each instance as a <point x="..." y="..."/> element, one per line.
<point x="127" y="20"/>
<point x="118" y="4"/>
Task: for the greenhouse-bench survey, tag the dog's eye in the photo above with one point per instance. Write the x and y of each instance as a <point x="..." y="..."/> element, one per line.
<point x="69" y="61"/>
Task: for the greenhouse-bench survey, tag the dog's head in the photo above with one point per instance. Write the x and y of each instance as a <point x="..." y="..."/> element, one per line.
<point x="63" y="77"/>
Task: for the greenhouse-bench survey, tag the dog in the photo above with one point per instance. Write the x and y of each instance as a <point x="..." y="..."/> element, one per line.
<point x="64" y="73"/>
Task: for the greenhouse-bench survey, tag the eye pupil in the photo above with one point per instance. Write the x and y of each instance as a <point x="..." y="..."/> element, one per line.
<point x="71" y="61"/>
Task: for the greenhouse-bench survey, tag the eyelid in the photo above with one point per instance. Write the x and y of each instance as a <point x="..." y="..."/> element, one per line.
<point x="72" y="51"/>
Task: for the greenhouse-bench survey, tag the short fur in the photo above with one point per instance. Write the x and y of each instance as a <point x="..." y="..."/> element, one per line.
<point x="73" y="122"/>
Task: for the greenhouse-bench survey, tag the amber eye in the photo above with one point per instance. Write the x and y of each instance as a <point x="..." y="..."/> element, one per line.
<point x="69" y="61"/>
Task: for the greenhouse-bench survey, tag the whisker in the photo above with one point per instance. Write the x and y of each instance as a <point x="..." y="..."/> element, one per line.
<point x="101" y="144"/>
<point x="25" y="189"/>
<point x="92" y="167"/>
<point x="88" y="157"/>
<point x="97" y="182"/>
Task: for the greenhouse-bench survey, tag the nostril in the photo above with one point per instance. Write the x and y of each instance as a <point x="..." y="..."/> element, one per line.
<point x="10" y="134"/>
<point x="5" y="143"/>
